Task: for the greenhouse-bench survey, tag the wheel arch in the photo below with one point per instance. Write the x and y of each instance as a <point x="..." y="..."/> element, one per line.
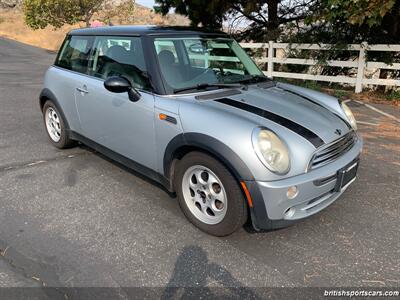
<point x="46" y="95"/>
<point x="184" y="143"/>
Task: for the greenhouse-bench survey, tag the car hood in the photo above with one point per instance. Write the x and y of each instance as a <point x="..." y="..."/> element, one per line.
<point x="316" y="120"/>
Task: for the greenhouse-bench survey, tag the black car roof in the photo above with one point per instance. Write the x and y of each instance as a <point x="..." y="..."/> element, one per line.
<point x="143" y="30"/>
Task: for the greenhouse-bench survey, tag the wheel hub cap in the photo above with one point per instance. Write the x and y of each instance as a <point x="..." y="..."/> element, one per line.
<point x="53" y="124"/>
<point x="204" y="194"/>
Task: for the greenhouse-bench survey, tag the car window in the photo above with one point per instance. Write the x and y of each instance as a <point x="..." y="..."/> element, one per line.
<point x="166" y="46"/>
<point x="119" y="56"/>
<point x="170" y="63"/>
<point x="191" y="61"/>
<point x="74" y="54"/>
<point x="215" y="54"/>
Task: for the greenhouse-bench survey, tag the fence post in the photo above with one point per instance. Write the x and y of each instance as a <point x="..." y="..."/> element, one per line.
<point x="360" y="67"/>
<point x="270" y="59"/>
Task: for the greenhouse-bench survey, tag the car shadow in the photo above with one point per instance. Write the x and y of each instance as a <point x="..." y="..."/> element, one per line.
<point x="192" y="274"/>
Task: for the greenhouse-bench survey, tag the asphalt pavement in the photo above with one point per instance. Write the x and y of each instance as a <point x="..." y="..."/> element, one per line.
<point x="71" y="218"/>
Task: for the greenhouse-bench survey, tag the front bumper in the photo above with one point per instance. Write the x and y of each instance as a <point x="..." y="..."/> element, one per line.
<point x="316" y="190"/>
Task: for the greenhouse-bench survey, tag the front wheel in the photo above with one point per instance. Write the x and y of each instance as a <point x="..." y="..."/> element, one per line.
<point x="209" y="195"/>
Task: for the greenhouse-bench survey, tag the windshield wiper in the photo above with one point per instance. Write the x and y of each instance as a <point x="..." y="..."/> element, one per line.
<point x="202" y="86"/>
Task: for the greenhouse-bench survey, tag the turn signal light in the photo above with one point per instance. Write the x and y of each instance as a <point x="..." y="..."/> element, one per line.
<point x="247" y="193"/>
<point x="292" y="192"/>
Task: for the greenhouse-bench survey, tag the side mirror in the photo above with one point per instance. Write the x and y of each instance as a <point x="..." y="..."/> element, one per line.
<point x="117" y="84"/>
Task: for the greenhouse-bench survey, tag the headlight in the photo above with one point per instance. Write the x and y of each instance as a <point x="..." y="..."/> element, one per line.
<point x="349" y="115"/>
<point x="271" y="150"/>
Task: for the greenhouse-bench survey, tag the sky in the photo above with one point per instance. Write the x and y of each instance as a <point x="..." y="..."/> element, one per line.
<point x="148" y="3"/>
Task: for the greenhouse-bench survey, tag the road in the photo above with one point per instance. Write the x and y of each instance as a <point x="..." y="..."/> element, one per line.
<point x="71" y="218"/>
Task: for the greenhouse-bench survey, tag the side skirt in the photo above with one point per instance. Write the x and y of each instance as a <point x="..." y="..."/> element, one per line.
<point x="126" y="162"/>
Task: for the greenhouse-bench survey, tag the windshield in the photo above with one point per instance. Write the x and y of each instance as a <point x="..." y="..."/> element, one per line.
<point x="202" y="62"/>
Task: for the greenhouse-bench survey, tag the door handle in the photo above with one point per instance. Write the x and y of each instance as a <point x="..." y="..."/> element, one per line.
<point x="82" y="90"/>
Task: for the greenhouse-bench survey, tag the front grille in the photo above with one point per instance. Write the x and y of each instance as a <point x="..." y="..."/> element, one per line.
<point x="332" y="151"/>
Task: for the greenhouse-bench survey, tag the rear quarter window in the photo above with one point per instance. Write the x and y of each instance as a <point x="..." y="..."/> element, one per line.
<point x="74" y="54"/>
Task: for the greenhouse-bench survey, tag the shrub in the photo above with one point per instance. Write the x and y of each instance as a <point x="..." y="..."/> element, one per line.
<point x="313" y="85"/>
<point x="340" y="94"/>
<point x="393" y="95"/>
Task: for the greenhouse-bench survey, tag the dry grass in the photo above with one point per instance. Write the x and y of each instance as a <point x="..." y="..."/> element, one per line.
<point x="12" y="26"/>
<point x="375" y="97"/>
<point x="365" y="96"/>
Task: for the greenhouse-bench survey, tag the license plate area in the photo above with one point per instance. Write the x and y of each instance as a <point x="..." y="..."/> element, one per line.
<point x="346" y="176"/>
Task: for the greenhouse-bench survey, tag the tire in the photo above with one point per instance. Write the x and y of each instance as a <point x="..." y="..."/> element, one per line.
<point x="55" y="126"/>
<point x="204" y="187"/>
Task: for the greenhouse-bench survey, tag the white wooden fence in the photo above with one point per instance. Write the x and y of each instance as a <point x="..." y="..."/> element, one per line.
<point x="360" y="65"/>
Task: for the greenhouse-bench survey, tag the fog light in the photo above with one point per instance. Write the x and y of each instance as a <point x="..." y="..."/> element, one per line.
<point x="292" y="192"/>
<point x="290" y="212"/>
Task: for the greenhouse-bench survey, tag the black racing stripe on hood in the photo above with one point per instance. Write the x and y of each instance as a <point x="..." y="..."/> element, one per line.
<point x="293" y="126"/>
<point x="319" y="104"/>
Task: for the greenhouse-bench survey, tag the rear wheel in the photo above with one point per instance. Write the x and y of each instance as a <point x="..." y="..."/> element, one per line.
<point x="209" y="195"/>
<point x="55" y="126"/>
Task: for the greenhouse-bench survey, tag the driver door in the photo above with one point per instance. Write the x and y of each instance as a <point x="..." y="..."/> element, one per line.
<point x="110" y="119"/>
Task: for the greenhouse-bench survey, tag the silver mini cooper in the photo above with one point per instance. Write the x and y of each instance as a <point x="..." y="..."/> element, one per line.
<point x="192" y="111"/>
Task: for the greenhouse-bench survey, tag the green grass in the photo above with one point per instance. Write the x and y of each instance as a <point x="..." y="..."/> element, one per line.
<point x="341" y="94"/>
<point x="393" y="95"/>
<point x="2" y="19"/>
<point x="313" y="85"/>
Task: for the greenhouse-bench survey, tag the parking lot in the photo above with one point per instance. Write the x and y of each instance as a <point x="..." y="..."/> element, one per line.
<point x="73" y="218"/>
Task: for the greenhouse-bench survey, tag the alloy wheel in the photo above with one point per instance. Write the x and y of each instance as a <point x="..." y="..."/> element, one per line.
<point x="204" y="194"/>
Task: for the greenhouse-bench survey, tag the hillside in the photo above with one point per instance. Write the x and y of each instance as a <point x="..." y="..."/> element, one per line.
<point x="10" y="3"/>
<point x="12" y="23"/>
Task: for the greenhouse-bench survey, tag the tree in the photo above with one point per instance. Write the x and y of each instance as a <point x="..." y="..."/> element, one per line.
<point x="349" y="21"/>
<point x="369" y="12"/>
<point x="342" y="22"/>
<point x="41" y="13"/>
<point x="207" y="13"/>
<point x="260" y="19"/>
<point x="332" y="21"/>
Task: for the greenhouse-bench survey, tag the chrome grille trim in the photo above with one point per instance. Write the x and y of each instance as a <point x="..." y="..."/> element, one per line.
<point x="332" y="151"/>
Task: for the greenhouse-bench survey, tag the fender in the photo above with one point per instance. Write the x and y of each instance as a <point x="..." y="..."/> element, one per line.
<point x="231" y="160"/>
<point x="46" y="94"/>
<point x="211" y="145"/>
